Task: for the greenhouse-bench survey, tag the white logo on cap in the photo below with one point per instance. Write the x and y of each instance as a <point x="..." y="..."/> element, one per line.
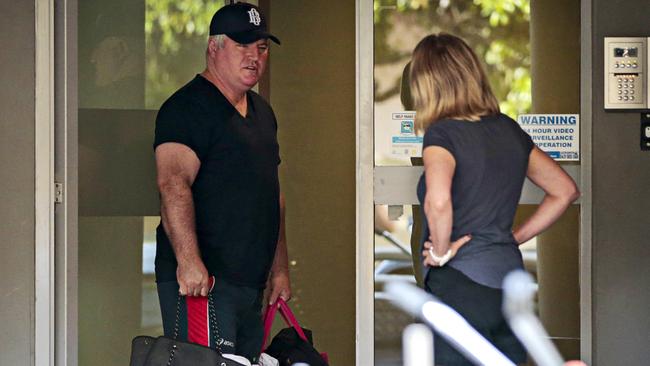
<point x="254" y="17"/>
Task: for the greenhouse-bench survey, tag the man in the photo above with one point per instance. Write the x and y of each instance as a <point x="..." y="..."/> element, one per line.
<point x="222" y="213"/>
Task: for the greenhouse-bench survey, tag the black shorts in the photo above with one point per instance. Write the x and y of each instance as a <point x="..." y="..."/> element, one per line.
<point x="481" y="306"/>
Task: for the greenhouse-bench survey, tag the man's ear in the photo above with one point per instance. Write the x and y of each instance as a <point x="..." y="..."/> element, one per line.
<point x="212" y="45"/>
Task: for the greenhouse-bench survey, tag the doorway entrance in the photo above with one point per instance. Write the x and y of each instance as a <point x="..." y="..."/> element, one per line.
<point x="114" y="203"/>
<point x="528" y="75"/>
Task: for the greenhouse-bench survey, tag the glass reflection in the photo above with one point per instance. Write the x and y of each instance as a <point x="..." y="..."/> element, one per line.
<point x="393" y="260"/>
<point x="131" y="56"/>
<point x="497" y="30"/>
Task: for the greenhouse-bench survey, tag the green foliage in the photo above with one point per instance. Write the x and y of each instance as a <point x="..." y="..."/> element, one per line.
<point x="498" y="30"/>
<point x="499" y="12"/>
<point x="176" y="33"/>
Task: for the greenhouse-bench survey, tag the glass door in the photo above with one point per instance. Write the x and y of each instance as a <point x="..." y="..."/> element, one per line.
<point x="132" y="55"/>
<point x="390" y="153"/>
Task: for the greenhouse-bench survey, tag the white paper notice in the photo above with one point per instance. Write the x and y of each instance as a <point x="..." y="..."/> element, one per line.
<point x="404" y="141"/>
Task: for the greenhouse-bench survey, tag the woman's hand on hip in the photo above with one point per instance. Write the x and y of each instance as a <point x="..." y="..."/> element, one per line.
<point x="431" y="257"/>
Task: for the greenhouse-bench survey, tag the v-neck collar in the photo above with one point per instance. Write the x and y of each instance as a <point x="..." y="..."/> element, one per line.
<point x="250" y="107"/>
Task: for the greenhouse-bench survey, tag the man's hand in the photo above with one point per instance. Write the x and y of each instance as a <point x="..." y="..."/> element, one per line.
<point x="280" y="286"/>
<point x="192" y="277"/>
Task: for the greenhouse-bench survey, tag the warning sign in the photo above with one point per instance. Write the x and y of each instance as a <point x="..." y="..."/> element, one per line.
<point x="558" y="135"/>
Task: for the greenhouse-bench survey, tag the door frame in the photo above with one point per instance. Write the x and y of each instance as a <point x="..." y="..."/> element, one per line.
<point x="586" y="162"/>
<point x="44" y="323"/>
<point x="365" y="312"/>
<point x="66" y="173"/>
<point x="55" y="168"/>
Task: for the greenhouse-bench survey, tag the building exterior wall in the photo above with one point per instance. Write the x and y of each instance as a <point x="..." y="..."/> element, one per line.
<point x="621" y="175"/>
<point x="17" y="175"/>
<point x="313" y="95"/>
<point x="555" y="72"/>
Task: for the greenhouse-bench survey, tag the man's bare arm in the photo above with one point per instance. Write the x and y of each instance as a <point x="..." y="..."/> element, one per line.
<point x="280" y="283"/>
<point x="177" y="166"/>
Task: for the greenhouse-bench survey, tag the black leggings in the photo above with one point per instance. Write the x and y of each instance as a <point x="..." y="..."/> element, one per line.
<point x="480" y="305"/>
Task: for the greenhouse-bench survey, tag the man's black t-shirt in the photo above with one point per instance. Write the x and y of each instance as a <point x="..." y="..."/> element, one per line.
<point x="236" y="191"/>
<point x="491" y="163"/>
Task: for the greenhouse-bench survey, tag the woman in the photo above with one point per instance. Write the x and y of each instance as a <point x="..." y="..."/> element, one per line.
<point x="475" y="163"/>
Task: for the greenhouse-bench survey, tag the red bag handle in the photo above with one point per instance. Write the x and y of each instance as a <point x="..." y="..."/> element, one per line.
<point x="198" y="310"/>
<point x="288" y="316"/>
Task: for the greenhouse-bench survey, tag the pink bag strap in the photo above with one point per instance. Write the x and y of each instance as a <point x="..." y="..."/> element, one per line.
<point x="290" y="319"/>
<point x="288" y="316"/>
<point x="269" y="316"/>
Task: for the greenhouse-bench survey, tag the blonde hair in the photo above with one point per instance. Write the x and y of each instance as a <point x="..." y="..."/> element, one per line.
<point x="448" y="81"/>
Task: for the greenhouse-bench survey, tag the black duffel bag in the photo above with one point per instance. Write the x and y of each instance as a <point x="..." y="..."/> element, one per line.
<point x="291" y="345"/>
<point x="288" y="348"/>
<point x="164" y="351"/>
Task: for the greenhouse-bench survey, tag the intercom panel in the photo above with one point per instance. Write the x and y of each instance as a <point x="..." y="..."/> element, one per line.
<point x="626" y="73"/>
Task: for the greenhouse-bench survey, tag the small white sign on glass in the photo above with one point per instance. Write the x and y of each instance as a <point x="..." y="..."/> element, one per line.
<point x="404" y="141"/>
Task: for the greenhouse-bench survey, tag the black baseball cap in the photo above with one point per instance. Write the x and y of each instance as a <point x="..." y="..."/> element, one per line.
<point x="241" y="22"/>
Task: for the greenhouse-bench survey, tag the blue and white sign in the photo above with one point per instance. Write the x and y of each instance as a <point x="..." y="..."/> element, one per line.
<point x="558" y="135"/>
<point x="404" y="141"/>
